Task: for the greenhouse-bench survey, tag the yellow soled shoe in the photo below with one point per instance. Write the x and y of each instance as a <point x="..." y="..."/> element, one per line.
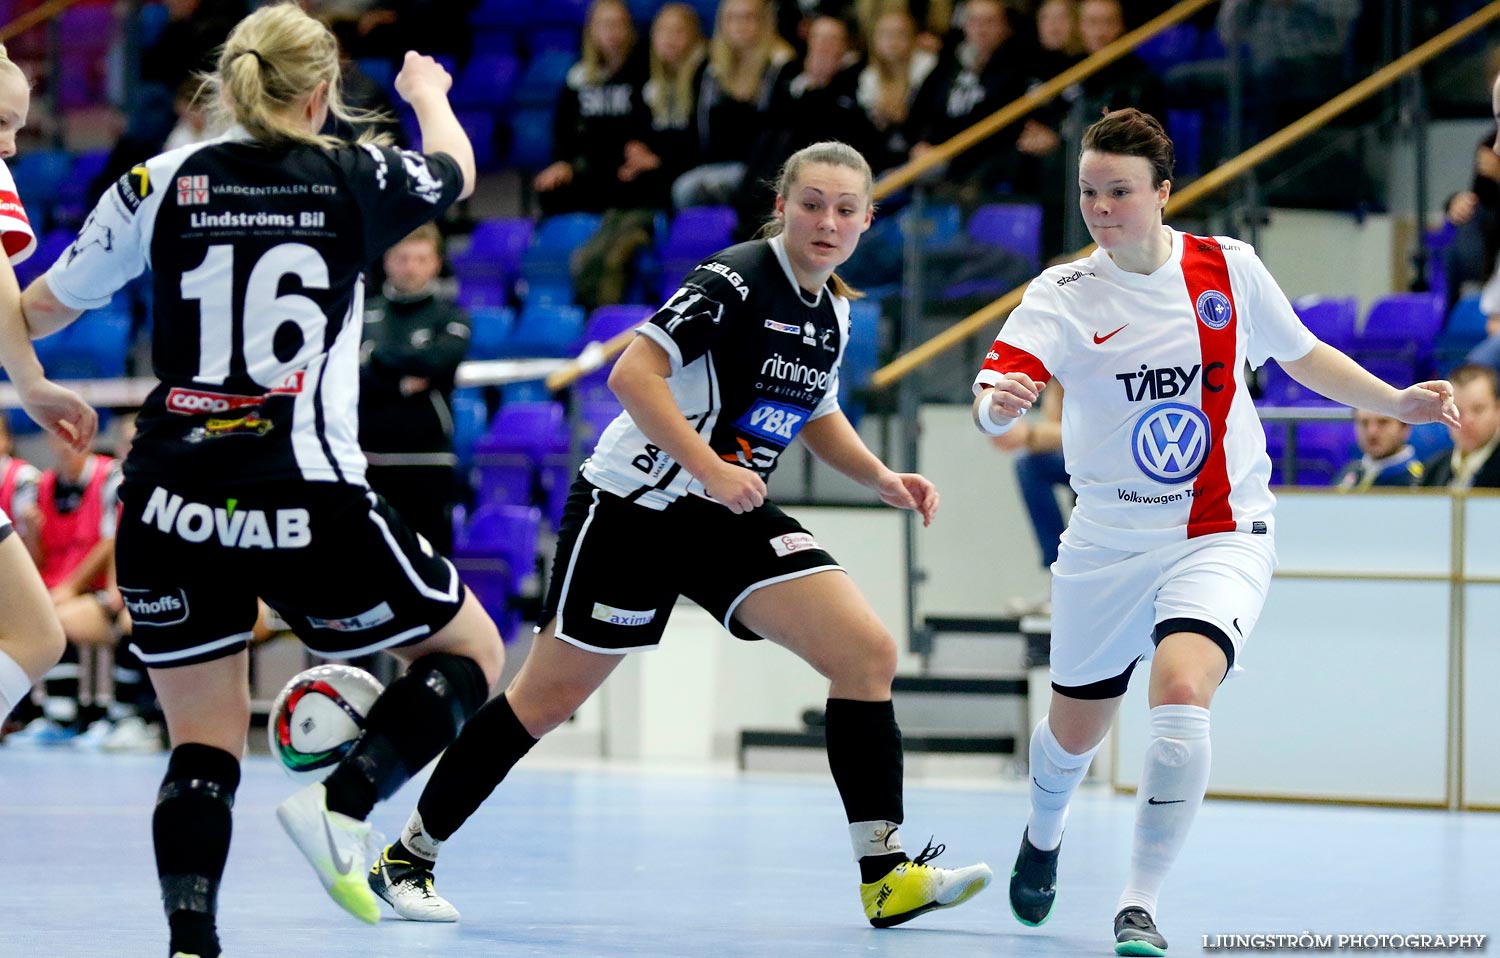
<point x="915" y="887"/>
<point x="336" y="846"/>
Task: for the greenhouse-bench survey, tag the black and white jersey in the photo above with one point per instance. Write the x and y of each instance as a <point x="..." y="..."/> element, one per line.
<point x="257" y="258"/>
<point x="754" y="359"/>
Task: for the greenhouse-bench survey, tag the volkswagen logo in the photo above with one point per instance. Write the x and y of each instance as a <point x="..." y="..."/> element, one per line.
<point x="1171" y="442"/>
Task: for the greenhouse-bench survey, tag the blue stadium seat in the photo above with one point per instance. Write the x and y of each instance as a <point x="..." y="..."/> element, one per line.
<point x="1464" y="330"/>
<point x="480" y="125"/>
<point x="470" y="421"/>
<point x="946" y="221"/>
<point x="1322" y="448"/>
<point x="544" y="40"/>
<point x="495" y="249"/>
<point x="547" y="330"/>
<point x="482" y="292"/>
<point x="494" y="552"/>
<point x="49" y="247"/>
<point x="545" y="266"/>
<point x="697" y="231"/>
<point x="1398" y="335"/>
<point x="1174" y="45"/>
<point x="604" y="324"/>
<point x="543" y="78"/>
<point x="861" y="357"/>
<point x="502" y="14"/>
<point x="380" y="70"/>
<point x="1330" y="318"/>
<point x="488" y="80"/>
<point x="491" y="333"/>
<point x="1013" y="226"/>
<point x="41" y="175"/>
<point x="531" y="139"/>
<point x="1186" y="129"/>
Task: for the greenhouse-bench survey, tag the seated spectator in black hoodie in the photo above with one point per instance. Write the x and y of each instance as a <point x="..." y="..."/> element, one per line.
<point x="600" y="111"/>
<point x="887" y="86"/>
<point x="746" y="58"/>
<point x="815" y="104"/>
<point x="987" y="71"/>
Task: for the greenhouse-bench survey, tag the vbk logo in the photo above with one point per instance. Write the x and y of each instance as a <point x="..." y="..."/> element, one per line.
<point x="192" y="191"/>
<point x="773" y="422"/>
<point x="1214" y="309"/>
<point x="1171" y="442"/>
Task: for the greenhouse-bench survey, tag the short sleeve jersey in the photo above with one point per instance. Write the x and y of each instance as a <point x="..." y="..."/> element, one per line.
<point x="257" y="258"/>
<point x="1159" y="433"/>
<point x="754" y="359"/>
<point x="16" y="234"/>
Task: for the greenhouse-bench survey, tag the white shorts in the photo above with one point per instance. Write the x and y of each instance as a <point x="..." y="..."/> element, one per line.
<point x="1110" y="608"/>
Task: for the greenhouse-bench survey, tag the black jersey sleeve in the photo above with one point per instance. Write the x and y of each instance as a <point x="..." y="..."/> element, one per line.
<point x="399" y="190"/>
<point x="695" y="316"/>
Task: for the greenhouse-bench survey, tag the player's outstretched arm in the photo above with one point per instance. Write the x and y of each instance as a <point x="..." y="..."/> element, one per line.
<point x="60" y="411"/>
<point x="424" y="84"/>
<point x="832" y="438"/>
<point x="1328" y="371"/>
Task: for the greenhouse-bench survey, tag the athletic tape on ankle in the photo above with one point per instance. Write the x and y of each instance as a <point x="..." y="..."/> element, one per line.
<point x="875" y="838"/>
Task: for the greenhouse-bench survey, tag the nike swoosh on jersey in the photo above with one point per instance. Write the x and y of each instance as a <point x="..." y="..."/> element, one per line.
<point x="1153" y="800"/>
<point x="340" y="865"/>
<point x="1100" y="339"/>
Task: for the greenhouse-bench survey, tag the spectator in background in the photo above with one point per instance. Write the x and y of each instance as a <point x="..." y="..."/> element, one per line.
<point x="745" y="60"/>
<point x="1040" y="472"/>
<point x="888" y="84"/>
<point x="388" y="28"/>
<point x="678" y="54"/>
<point x="1387" y="459"/>
<point x="1472" y="463"/>
<point x="1469" y="261"/>
<point x="78" y="508"/>
<point x="816" y="104"/>
<point x="194" y="30"/>
<point x="986" y="71"/>
<point x="18" y="486"/>
<point x="600" y="110"/>
<point x="1040" y="166"/>
<point x="192" y="118"/>
<point x="933" y="20"/>
<point x="602" y="267"/>
<point x="413" y="343"/>
<point x="1128" y="82"/>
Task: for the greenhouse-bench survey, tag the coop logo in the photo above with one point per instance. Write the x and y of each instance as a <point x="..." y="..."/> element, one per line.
<point x="1214" y="309"/>
<point x="234" y="528"/>
<point x="773" y="422"/>
<point x="790" y="371"/>
<point x="1171" y="442"/>
<point x="606" y="613"/>
<point x="148" y="607"/>
<point x="192" y="191"/>
<point x="191" y="402"/>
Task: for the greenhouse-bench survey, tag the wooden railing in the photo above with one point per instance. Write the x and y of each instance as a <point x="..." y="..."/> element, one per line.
<point x="34" y="17"/>
<point x="597" y="354"/>
<point x="903" y="365"/>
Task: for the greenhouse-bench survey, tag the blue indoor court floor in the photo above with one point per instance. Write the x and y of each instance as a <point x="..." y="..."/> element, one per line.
<point x="609" y="860"/>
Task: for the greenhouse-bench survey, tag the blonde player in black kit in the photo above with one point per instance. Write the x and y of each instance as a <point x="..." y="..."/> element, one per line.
<point x="740" y="361"/>
<point x="246" y="476"/>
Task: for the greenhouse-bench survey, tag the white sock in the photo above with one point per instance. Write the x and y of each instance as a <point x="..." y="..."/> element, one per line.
<point x="15" y="684"/>
<point x="1055" y="775"/>
<point x="1171" y="791"/>
<point x="415" y="837"/>
<point x="875" y="838"/>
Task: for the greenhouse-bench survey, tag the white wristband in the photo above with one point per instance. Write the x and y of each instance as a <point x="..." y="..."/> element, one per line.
<point x="982" y="416"/>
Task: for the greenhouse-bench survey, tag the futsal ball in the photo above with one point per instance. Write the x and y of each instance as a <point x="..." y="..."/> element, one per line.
<point x="318" y="715"/>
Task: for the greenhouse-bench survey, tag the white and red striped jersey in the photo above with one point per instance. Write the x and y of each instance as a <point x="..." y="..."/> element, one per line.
<point x="1159" y="433"/>
<point x="16" y="235"/>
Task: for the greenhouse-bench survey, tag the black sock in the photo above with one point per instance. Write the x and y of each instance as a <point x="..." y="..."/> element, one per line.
<point x="416" y="718"/>
<point x="864" y="755"/>
<point x="489" y="747"/>
<point x="132" y="688"/>
<point x="191" y="829"/>
<point x="60" y="685"/>
<point x="401" y="853"/>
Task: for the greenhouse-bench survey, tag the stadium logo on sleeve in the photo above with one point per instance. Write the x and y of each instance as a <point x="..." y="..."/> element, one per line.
<point x="1214" y="309"/>
<point x="1170" y="442"/>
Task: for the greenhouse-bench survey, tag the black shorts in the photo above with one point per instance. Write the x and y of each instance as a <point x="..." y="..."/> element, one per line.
<point x="620" y="566"/>
<point x="332" y="559"/>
